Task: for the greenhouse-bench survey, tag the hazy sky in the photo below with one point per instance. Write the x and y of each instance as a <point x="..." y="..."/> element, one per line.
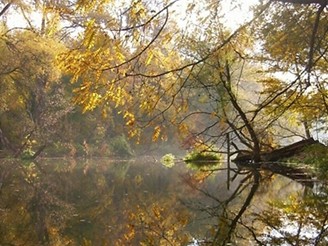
<point x="236" y="15"/>
<point x="235" y="12"/>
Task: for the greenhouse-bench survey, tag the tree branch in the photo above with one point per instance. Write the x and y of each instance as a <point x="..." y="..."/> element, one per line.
<point x="207" y="56"/>
<point x="3" y="11"/>
<point x="313" y="36"/>
<point x="143" y="49"/>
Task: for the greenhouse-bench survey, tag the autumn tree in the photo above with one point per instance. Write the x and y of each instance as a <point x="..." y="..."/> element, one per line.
<point x="158" y="75"/>
<point x="33" y="97"/>
<point x="294" y="46"/>
<point x="128" y="58"/>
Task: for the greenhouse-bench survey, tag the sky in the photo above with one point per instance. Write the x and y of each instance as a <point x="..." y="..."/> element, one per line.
<point x="236" y="12"/>
<point x="235" y="16"/>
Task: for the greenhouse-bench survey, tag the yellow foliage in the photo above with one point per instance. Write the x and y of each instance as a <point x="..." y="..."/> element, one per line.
<point x="157" y="211"/>
<point x="150" y="57"/>
<point x="130" y="234"/>
<point x="129" y="117"/>
<point x="156" y="133"/>
<point x="89" y="35"/>
<point x="135" y="133"/>
<point x="138" y="180"/>
<point x="183" y="129"/>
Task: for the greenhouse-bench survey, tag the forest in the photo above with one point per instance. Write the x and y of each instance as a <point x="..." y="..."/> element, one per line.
<point x="102" y="78"/>
<point x="119" y="120"/>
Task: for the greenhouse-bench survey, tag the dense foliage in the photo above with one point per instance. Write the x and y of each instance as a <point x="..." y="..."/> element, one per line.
<point x="135" y="68"/>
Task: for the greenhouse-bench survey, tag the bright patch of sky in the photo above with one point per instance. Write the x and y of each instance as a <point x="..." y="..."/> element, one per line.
<point x="237" y="12"/>
<point x="234" y="13"/>
<point x="16" y="20"/>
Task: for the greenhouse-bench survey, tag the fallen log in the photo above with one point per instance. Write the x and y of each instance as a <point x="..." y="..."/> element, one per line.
<point x="277" y="154"/>
<point x="270" y="161"/>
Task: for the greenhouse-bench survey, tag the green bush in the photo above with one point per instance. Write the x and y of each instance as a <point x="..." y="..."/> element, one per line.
<point x="315" y="156"/>
<point x="168" y="160"/>
<point x="121" y="147"/>
<point x="27" y="154"/>
<point x="204" y="156"/>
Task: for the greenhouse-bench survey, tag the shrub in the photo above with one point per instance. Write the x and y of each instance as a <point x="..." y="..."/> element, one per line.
<point x="168" y="160"/>
<point x="121" y="147"/>
<point x="202" y="156"/>
<point x="315" y="156"/>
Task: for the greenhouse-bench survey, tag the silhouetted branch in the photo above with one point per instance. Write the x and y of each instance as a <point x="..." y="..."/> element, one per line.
<point x="3" y="11"/>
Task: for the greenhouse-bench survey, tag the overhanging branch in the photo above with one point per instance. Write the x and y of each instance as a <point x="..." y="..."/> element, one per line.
<point x="3" y="11"/>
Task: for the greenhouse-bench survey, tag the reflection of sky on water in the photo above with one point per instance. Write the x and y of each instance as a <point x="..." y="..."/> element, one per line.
<point x="291" y="228"/>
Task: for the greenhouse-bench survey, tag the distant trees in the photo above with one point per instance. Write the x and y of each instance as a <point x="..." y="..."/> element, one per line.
<point x="31" y="90"/>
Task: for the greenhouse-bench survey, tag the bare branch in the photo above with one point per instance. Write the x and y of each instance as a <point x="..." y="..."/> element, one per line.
<point x="144" y="49"/>
<point x="4" y="10"/>
<point x="313" y="36"/>
<point x="213" y="51"/>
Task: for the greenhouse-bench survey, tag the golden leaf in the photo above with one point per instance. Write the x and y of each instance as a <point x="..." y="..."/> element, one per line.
<point x="150" y="57"/>
<point x="156" y="134"/>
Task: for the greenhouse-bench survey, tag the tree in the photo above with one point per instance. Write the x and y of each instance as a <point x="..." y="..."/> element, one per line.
<point x="126" y="71"/>
<point x="141" y="50"/>
<point x="30" y="90"/>
<point x="294" y="38"/>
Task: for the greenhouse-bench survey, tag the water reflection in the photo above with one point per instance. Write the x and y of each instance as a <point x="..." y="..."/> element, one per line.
<point x="103" y="202"/>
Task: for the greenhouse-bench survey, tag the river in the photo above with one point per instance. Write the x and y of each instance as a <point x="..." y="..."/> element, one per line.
<point x="143" y="202"/>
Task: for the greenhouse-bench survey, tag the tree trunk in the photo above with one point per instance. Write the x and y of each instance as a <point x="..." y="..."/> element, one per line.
<point x="288" y="151"/>
<point x="307" y="129"/>
<point x="248" y="124"/>
<point x="38" y="152"/>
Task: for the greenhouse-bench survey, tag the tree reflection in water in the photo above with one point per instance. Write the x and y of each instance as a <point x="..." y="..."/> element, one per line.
<point x="250" y="215"/>
<point x="99" y="202"/>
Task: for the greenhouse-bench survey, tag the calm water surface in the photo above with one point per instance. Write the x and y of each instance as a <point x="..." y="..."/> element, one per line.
<point x="142" y="202"/>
